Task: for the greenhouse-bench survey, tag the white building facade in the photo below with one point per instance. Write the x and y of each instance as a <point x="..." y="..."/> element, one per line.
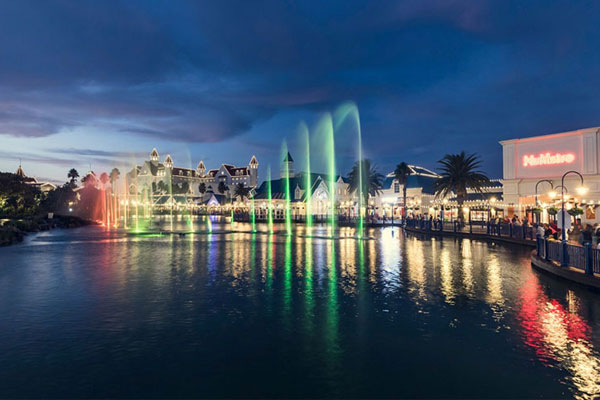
<point x="542" y="161"/>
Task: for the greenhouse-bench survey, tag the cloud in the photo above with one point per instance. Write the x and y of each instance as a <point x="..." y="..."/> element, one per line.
<point x="425" y="74"/>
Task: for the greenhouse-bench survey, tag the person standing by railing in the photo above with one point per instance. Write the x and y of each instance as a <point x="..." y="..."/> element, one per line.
<point x="586" y="234"/>
<point x="541" y="230"/>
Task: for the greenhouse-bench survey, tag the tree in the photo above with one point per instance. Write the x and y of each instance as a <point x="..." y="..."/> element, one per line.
<point x="242" y="191"/>
<point x="460" y="172"/>
<point x="371" y="179"/>
<point x="202" y="188"/>
<point x="222" y="188"/>
<point x="73" y="175"/>
<point x="104" y="178"/>
<point x="17" y="198"/>
<point x="114" y="176"/>
<point x="401" y="173"/>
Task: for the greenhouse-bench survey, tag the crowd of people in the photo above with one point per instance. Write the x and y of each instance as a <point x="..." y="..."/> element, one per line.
<point x="578" y="233"/>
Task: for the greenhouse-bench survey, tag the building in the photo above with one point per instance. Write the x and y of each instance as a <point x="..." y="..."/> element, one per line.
<point x="44" y="187"/>
<point x="537" y="165"/>
<point x="318" y="186"/>
<point x="420" y="193"/>
<point x="160" y="179"/>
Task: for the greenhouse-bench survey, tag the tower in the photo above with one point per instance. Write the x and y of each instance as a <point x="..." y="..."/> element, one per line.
<point x="253" y="171"/>
<point x="154" y="155"/>
<point x="288" y="163"/>
<point x="201" y="169"/>
<point x="169" y="161"/>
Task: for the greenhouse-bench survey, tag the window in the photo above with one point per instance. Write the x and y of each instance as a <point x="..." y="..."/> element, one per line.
<point x="396" y="187"/>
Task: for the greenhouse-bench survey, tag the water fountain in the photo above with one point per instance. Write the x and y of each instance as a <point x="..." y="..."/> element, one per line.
<point x="350" y="110"/>
<point x="286" y="183"/>
<point x="307" y="179"/>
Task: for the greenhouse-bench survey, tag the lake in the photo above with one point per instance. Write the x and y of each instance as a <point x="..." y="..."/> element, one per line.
<point x="94" y="313"/>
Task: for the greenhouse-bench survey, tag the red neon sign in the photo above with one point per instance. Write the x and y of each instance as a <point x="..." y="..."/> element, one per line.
<point x="547" y="158"/>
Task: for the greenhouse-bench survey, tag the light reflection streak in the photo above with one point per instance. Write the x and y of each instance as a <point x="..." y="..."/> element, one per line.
<point x="446" y="276"/>
<point x="559" y="335"/>
<point x="467" y="267"/>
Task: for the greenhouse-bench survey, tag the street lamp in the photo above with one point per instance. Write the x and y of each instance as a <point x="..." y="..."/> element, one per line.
<point x="552" y="193"/>
<point x="581" y="190"/>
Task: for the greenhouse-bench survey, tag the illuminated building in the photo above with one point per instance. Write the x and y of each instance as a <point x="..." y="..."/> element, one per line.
<point x="529" y="161"/>
<point x="163" y="178"/>
<point x="44" y="187"/>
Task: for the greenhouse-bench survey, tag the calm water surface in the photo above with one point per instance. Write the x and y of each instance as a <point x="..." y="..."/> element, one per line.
<point x="90" y="313"/>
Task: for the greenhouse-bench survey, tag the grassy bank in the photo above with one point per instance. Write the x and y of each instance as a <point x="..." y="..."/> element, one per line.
<point x="14" y="230"/>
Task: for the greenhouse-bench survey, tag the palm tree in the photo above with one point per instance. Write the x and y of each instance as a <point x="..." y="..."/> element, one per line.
<point x="242" y="191"/>
<point x="371" y="179"/>
<point x="460" y="172"/>
<point x="114" y="176"/>
<point x="104" y="178"/>
<point x="401" y="173"/>
<point x="222" y="188"/>
<point x="73" y="175"/>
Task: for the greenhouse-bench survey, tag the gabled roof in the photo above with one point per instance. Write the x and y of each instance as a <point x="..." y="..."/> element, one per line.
<point x="288" y="157"/>
<point x="253" y="161"/>
<point x="233" y="171"/>
<point x="299" y="180"/>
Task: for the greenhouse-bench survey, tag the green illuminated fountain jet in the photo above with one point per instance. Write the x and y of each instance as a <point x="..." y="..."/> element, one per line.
<point x="350" y="110"/>
<point x="307" y="179"/>
<point x="286" y="183"/>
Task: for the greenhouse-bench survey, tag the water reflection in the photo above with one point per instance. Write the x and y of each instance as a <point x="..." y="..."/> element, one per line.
<point x="561" y="336"/>
<point x="345" y="310"/>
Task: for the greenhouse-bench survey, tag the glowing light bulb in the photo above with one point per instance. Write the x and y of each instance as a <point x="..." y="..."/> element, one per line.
<point x="582" y="190"/>
<point x="552" y="194"/>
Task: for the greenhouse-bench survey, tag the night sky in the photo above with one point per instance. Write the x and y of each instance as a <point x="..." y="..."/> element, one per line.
<point x="101" y="83"/>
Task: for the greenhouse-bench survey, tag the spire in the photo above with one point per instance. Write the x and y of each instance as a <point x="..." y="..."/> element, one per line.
<point x="20" y="173"/>
<point x="253" y="162"/>
<point x="154" y="155"/>
<point x="288" y="166"/>
<point x="169" y="161"/>
<point x="201" y="168"/>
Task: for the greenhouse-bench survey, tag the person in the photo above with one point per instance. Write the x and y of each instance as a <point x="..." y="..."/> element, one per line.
<point x="547" y="231"/>
<point x="541" y="231"/>
<point x="575" y="233"/>
<point x="586" y="234"/>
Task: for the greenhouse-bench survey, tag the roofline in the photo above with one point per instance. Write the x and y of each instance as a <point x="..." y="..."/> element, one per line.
<point x="551" y="135"/>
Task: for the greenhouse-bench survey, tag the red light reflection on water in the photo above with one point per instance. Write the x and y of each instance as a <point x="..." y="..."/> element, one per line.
<point x="560" y="336"/>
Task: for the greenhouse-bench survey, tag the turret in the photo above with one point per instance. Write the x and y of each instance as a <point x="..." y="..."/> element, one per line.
<point x="154" y="155"/>
<point x="20" y="173"/>
<point x="201" y="169"/>
<point x="253" y="171"/>
<point x="288" y="165"/>
<point x="168" y="161"/>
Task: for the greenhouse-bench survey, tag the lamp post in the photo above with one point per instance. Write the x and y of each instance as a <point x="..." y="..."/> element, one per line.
<point x="580" y="190"/>
<point x="536" y="189"/>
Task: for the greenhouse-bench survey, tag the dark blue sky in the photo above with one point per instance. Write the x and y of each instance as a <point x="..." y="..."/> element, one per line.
<point x="102" y="82"/>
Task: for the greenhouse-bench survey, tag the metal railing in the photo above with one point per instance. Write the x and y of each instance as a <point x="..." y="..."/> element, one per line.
<point x="585" y="258"/>
<point x="512" y="231"/>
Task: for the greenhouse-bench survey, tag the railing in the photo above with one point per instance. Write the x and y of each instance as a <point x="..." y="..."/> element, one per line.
<point x="512" y="231"/>
<point x="584" y="258"/>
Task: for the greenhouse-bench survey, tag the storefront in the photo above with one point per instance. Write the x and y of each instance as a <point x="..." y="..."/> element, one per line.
<point x="533" y="168"/>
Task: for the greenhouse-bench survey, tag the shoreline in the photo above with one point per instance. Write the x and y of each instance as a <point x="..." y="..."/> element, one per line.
<point x="14" y="230"/>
